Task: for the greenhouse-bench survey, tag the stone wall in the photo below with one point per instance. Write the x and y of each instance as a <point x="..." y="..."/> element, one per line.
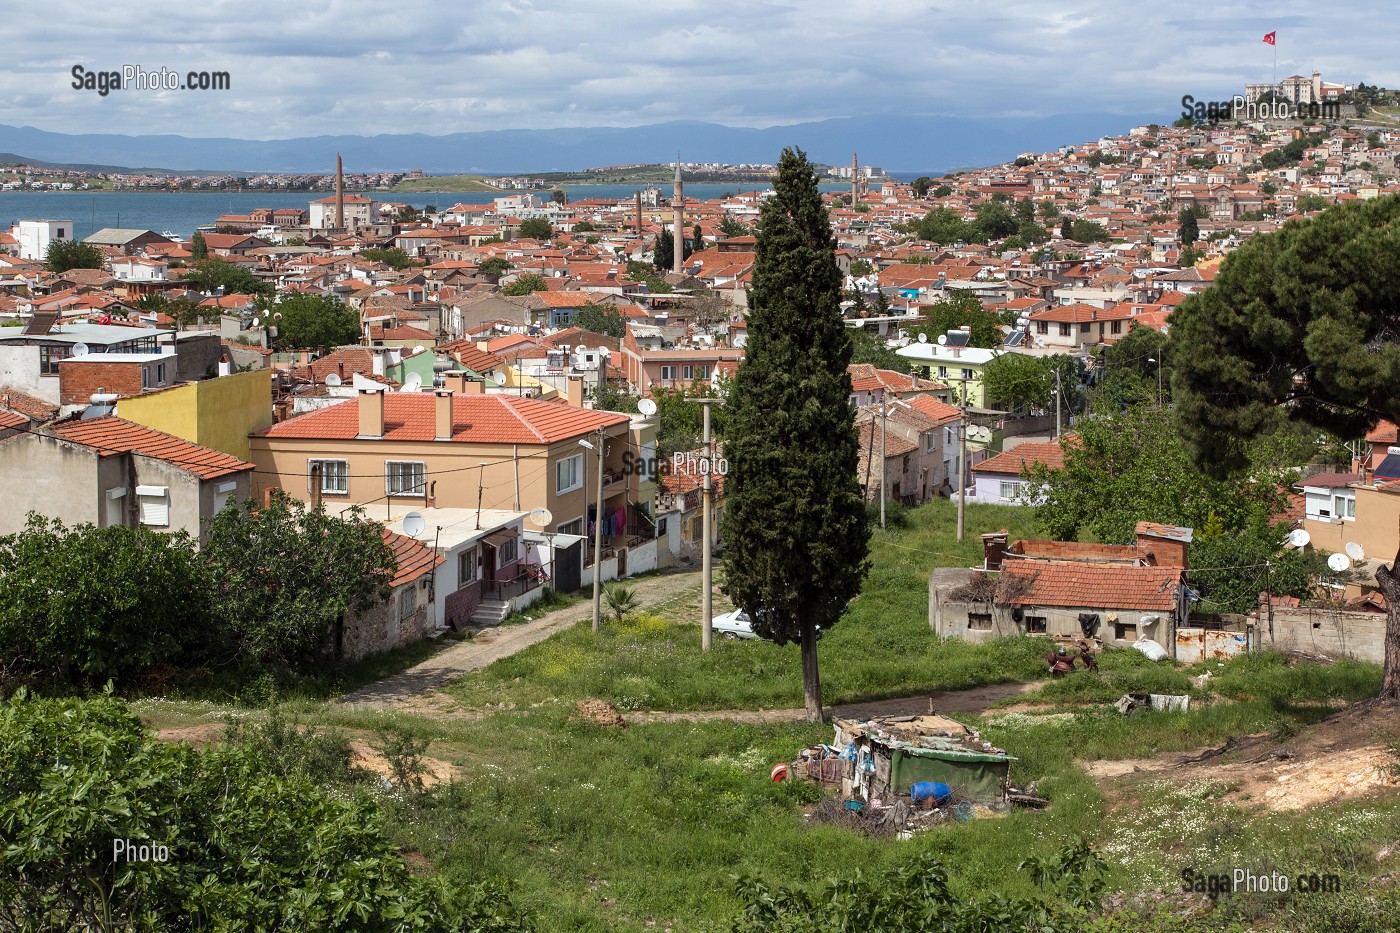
<point x="1333" y="633"/>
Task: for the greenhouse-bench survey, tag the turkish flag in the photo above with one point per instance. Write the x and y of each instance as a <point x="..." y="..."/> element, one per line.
<point x="1269" y="37"/>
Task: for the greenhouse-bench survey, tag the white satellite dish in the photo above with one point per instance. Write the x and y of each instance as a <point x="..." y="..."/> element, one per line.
<point x="942" y="340"/>
<point x="413" y="524"/>
<point x="80" y="349"/>
<point x="1299" y="537"/>
<point x="923" y="338"/>
<point x="257" y="322"/>
<point x="580" y="348"/>
<point x="413" y="383"/>
<point x="1355" y="551"/>
<point x="647" y="407"/>
<point x="541" y="517"/>
<point x="333" y="380"/>
<point x="419" y="349"/>
<point x="1338" y="562"/>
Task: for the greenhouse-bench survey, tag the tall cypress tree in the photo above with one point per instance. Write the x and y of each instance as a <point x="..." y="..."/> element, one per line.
<point x="795" y="528"/>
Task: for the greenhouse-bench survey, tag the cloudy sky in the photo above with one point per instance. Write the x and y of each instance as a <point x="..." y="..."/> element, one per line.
<point x="359" y="67"/>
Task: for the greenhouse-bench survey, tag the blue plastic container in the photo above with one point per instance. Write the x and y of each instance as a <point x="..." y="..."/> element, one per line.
<point x="936" y="791"/>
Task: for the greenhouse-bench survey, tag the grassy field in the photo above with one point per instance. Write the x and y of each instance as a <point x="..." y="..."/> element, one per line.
<point x="648" y="827"/>
<point x="445" y="183"/>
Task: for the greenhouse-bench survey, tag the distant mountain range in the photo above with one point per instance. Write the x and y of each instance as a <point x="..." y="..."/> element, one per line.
<point x="896" y="143"/>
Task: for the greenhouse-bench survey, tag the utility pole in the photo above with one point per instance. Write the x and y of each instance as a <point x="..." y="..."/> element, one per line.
<point x="1057" y="401"/>
<point x="962" y="460"/>
<point x="707" y="632"/>
<point x="598" y="541"/>
<point x="883" y="468"/>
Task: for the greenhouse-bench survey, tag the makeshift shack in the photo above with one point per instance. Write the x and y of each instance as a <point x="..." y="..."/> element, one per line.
<point x="885" y="758"/>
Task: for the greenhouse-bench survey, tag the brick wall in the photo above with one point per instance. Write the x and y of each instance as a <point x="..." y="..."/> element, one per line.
<point x="459" y="606"/>
<point x="1073" y="550"/>
<point x="79" y="378"/>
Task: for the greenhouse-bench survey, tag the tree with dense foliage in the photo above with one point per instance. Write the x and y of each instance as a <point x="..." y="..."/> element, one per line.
<point x="944" y="225"/>
<point x="648" y="275"/>
<point x="680" y="422"/>
<point x="732" y="228"/>
<point x="961" y="309"/>
<point x="601" y="319"/>
<point x="1300" y="325"/>
<point x="1189" y="230"/>
<point x="316" y="321"/>
<point x="536" y="228"/>
<point x="525" y="284"/>
<point x="199" y="249"/>
<point x="1018" y="381"/>
<point x="287" y="576"/>
<point x="994" y="221"/>
<point x="1128" y="374"/>
<point x="395" y="257"/>
<point x="942" y="191"/>
<point x="663" y="254"/>
<point x="63" y="255"/>
<point x="493" y="267"/>
<point x="868" y="348"/>
<point x="230" y="843"/>
<point x="608" y="397"/>
<point x="921" y="186"/>
<point x="219" y="275"/>
<point x="795" y="522"/>
<point x="87" y="604"/>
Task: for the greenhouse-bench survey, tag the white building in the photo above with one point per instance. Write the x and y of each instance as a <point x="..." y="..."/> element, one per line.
<point x="35" y="236"/>
<point x="360" y="211"/>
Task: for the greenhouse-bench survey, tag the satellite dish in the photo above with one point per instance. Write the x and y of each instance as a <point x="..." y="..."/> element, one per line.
<point x="1299" y="537"/>
<point x="942" y="340"/>
<point x="257" y="322"/>
<point x="1355" y="551"/>
<point x="1338" y="562"/>
<point x="923" y="338"/>
<point x="80" y="349"/>
<point x="413" y="524"/>
<point x="541" y="517"/>
<point x="277" y="316"/>
<point x="333" y="380"/>
<point x="580" y="348"/>
<point x="647" y="407"/>
<point x="413" y="383"/>
<point x="419" y="349"/>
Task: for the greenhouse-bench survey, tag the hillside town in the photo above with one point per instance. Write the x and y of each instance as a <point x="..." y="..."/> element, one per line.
<point x="470" y="343"/>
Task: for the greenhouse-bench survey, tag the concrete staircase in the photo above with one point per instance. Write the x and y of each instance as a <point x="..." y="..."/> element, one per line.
<point x="491" y="612"/>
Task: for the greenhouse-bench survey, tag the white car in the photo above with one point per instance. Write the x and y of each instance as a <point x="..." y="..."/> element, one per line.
<point x="737" y="624"/>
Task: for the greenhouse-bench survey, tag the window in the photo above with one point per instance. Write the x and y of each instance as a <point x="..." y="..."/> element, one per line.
<point x="1116" y="327"/>
<point x="116" y="506"/>
<point x="1010" y="491"/>
<point x="568" y="474"/>
<point x="1125" y="631"/>
<point x="335" y="476"/>
<point x="982" y="621"/>
<point x="1035" y="625"/>
<point x="930" y="440"/>
<point x="404" y="478"/>
<point x="153" y="504"/>
<point x="574" y="527"/>
<point x="1344" y="506"/>
<point x="1084" y="328"/>
<point x="702" y="372"/>
<point x="1042" y="327"/>
<point x="967" y="374"/>
<point x="668" y="373"/>
<point x="466" y="568"/>
<point x="506" y="553"/>
<point x="408" y="601"/>
<point x="661" y="526"/>
<point x="687" y="372"/>
<point x="223" y="493"/>
<point x="943" y="372"/>
<point x="1064" y="330"/>
<point x="49" y="357"/>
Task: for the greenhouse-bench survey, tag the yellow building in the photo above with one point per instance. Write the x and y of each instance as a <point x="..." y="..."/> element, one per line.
<point x="215" y="413"/>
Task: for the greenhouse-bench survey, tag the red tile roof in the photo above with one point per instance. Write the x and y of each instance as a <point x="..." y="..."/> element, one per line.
<point x="117" y="435"/>
<point x="35" y="409"/>
<point x="940" y="412"/>
<point x="10" y="419"/>
<point x="414" y="558"/>
<point x="476" y="419"/>
<point x="1384" y="433"/>
<point x="1070" y="584"/>
<point x="1014" y="461"/>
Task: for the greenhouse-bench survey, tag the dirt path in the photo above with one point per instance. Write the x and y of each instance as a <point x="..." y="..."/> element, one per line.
<point x="496" y="643"/>
<point x="974" y="700"/>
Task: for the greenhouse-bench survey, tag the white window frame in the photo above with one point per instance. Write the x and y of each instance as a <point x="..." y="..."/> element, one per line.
<point x="153" y="506"/>
<point x="568" y="465"/>
<point x="1014" y="487"/>
<point x="687" y="372"/>
<point x="393" y="484"/>
<point x="1344" y="507"/>
<point x="116" y="507"/>
<point x="326" y="488"/>
<point x="223" y="492"/>
<point x="668" y="373"/>
<point x="467" y="568"/>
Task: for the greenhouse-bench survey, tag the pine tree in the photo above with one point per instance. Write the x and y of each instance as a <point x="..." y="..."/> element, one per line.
<point x="795" y="528"/>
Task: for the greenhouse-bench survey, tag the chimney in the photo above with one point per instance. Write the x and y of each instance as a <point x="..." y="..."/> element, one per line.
<point x="371" y="406"/>
<point x="377" y="362"/>
<point x="442" y="411"/>
<point x="472" y="386"/>
<point x="994" y="550"/>
<point x="339" y="194"/>
<point x="575" y="392"/>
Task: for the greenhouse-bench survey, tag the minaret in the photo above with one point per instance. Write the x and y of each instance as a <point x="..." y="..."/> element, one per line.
<point x="678" y="221"/>
<point x="855" y="179"/>
<point x="639" y="215"/>
<point x="339" y="194"/>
